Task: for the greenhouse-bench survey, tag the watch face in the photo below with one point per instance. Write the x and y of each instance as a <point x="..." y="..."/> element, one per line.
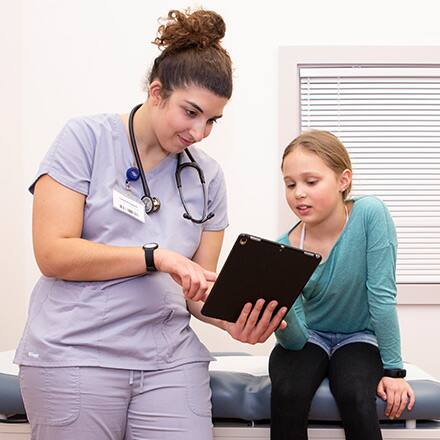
<point x="151" y="246"/>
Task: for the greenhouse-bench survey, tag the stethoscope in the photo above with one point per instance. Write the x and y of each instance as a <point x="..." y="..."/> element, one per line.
<point x="152" y="204"/>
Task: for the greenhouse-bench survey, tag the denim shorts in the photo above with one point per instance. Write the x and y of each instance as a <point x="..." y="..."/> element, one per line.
<point x="330" y="342"/>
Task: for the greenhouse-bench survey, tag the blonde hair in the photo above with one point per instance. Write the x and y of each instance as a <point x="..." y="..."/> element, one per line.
<point x="326" y="146"/>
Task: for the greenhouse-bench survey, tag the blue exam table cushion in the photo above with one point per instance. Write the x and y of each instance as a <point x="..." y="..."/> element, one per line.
<point x="241" y="390"/>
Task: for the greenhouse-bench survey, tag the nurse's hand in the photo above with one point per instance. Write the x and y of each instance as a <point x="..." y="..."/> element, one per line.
<point x="248" y="329"/>
<point x="397" y="393"/>
<point x="190" y="275"/>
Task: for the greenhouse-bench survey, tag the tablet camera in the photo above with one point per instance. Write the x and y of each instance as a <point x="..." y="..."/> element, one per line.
<point x="243" y="240"/>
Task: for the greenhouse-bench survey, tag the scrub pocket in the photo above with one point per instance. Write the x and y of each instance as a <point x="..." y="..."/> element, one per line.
<point x="51" y="395"/>
<point x="198" y="388"/>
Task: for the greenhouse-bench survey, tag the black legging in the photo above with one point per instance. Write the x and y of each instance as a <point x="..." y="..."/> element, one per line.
<point x="354" y="371"/>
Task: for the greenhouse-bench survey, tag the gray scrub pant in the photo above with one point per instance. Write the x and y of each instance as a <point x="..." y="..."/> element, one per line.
<point x="91" y="403"/>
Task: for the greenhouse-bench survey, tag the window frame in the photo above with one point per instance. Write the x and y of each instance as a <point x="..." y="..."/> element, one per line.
<point x="290" y="58"/>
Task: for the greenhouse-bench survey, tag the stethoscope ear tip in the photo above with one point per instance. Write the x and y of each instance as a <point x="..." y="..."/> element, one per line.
<point x="202" y="220"/>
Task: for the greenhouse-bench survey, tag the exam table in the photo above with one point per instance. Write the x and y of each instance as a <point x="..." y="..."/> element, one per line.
<point x="241" y="403"/>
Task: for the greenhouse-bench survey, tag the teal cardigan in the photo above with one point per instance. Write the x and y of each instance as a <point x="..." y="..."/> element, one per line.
<point x="354" y="289"/>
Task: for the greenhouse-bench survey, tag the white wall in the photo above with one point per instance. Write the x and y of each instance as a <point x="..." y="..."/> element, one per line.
<point x="12" y="248"/>
<point x="66" y="58"/>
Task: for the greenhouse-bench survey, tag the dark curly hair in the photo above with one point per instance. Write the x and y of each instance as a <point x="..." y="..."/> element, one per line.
<point x="192" y="53"/>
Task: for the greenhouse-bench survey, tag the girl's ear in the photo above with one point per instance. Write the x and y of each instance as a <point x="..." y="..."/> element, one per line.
<point x="345" y="180"/>
<point x="154" y="92"/>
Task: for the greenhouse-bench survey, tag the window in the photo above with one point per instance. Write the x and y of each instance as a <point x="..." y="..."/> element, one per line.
<point x="388" y="117"/>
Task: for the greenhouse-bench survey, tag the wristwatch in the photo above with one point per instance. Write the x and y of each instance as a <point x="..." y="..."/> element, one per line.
<point x="149" y="256"/>
<point x="394" y="372"/>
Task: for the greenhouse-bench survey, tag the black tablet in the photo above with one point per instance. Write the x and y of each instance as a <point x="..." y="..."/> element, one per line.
<point x="258" y="268"/>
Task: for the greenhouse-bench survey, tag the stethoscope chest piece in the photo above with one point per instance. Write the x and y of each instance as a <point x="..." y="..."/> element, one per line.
<point x="152" y="204"/>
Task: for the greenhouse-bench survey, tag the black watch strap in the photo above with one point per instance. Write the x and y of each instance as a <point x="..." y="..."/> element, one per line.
<point x="394" y="372"/>
<point x="149" y="249"/>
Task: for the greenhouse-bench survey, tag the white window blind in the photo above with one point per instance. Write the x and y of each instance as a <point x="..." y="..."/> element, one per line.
<point x="388" y="117"/>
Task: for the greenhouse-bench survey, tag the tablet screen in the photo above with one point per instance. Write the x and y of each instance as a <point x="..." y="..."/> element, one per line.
<point x="259" y="268"/>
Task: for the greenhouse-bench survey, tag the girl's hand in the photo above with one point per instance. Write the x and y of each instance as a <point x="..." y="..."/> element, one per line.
<point x="247" y="329"/>
<point x="191" y="276"/>
<point x="396" y="392"/>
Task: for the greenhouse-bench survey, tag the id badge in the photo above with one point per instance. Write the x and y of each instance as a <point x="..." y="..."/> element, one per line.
<point x="128" y="206"/>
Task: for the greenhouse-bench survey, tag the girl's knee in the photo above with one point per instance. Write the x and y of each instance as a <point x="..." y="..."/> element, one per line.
<point x="359" y="401"/>
<point x="292" y="392"/>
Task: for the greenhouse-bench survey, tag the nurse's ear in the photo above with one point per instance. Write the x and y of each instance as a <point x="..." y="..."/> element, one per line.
<point x="155" y="92"/>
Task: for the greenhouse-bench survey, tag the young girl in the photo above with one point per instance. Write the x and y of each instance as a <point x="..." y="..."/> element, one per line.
<point x="128" y="222"/>
<point x="344" y="325"/>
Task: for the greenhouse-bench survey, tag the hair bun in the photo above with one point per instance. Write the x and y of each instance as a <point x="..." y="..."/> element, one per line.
<point x="181" y="30"/>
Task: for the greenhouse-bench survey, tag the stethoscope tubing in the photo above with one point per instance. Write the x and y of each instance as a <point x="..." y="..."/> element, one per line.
<point x="153" y="202"/>
<point x="136" y="153"/>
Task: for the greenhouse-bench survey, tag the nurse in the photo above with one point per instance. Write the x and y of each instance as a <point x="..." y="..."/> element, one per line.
<point x="107" y="351"/>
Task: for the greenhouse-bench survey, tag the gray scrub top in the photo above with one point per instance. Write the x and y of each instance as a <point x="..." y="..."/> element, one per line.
<point x="137" y="322"/>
